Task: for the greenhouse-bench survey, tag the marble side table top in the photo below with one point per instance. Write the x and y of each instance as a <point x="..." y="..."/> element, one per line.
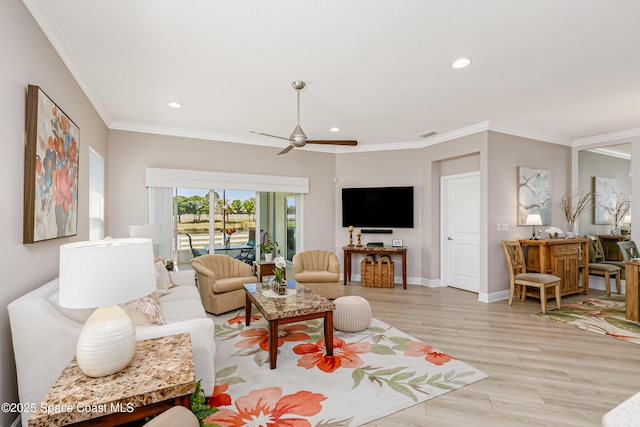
<point x="161" y="369"/>
<point x="625" y="414"/>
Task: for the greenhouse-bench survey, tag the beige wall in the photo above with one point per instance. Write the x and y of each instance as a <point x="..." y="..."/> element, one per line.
<point x="130" y="153"/>
<point x="506" y="153"/>
<point x="28" y="58"/>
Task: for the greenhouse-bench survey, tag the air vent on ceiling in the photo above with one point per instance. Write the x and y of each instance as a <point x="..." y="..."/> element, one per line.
<point x="428" y="134"/>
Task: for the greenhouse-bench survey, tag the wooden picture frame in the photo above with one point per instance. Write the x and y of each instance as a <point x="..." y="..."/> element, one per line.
<point x="50" y="170"/>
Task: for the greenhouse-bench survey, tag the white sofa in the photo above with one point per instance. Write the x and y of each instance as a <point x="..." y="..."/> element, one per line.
<point x="45" y="335"/>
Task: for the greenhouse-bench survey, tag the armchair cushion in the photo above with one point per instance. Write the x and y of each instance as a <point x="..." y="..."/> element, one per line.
<point x="220" y="280"/>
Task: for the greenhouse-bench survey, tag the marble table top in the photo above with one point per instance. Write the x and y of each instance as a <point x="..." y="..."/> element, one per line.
<point x="161" y="369"/>
<point x="305" y="301"/>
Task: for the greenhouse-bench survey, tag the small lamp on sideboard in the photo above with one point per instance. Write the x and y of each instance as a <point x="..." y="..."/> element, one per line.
<point x="533" y="220"/>
<point x="102" y="274"/>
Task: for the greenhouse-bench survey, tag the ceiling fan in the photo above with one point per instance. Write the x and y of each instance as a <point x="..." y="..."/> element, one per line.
<point x="298" y="138"/>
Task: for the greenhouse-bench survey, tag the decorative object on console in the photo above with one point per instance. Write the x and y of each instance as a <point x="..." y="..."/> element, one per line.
<point x="533" y="220"/>
<point x="50" y="170"/>
<point x="396" y="243"/>
<point x="573" y="204"/>
<point x="617" y="209"/>
<point x="534" y="194"/>
<point x="103" y="274"/>
<point x="351" y="235"/>
<point x="146" y="231"/>
<point x="554" y="232"/>
<point x="359" y="233"/>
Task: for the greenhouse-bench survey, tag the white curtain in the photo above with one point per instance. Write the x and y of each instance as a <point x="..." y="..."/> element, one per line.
<point x="161" y="213"/>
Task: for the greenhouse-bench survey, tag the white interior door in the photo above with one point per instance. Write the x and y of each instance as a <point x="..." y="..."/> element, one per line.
<point x="460" y="231"/>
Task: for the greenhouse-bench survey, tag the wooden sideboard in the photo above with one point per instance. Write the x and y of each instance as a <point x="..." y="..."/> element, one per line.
<point x="349" y="250"/>
<point x="565" y="258"/>
<point x="633" y="296"/>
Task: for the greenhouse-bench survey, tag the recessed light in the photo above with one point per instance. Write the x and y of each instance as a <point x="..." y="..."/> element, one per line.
<point x="461" y="63"/>
<point x="334" y="129"/>
<point x="174" y="105"/>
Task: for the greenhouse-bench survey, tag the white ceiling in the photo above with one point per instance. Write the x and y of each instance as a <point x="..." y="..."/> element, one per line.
<point x="381" y="71"/>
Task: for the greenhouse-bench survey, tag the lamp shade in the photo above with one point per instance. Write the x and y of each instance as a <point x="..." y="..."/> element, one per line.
<point x="533" y="219"/>
<point x="105" y="272"/>
<point x="153" y="232"/>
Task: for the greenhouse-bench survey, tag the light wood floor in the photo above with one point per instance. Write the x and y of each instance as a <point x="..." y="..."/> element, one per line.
<point x="541" y="373"/>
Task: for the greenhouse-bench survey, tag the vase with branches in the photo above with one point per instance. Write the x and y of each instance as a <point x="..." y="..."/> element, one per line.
<point x="617" y="209"/>
<point x="573" y="204"/>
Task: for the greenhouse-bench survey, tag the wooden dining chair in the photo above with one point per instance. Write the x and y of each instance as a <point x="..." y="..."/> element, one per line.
<point x="518" y="276"/>
<point x="629" y="250"/>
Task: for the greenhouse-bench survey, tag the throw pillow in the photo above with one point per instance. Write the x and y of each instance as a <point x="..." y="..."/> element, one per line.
<point x="145" y="311"/>
<point x="163" y="281"/>
<point x="79" y="315"/>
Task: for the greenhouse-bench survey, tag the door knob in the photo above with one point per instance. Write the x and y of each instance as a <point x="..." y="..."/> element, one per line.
<point x="449" y="238"/>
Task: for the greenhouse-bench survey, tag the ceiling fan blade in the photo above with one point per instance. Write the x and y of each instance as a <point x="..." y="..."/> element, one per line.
<point x="286" y="150"/>
<point x="272" y="136"/>
<point x="349" y="142"/>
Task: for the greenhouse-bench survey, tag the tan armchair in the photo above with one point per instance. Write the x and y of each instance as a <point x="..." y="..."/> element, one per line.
<point x="220" y="280"/>
<point x="319" y="271"/>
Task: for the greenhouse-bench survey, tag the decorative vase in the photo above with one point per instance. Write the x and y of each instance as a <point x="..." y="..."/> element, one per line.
<point x="278" y="287"/>
<point x="268" y="256"/>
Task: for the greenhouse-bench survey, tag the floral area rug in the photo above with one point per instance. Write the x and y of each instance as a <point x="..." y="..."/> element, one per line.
<point x="371" y="374"/>
<point x="604" y="315"/>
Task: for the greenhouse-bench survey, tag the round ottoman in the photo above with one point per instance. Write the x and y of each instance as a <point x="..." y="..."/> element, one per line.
<point x="352" y="314"/>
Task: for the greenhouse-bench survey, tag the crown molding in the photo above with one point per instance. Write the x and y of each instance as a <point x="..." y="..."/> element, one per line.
<point x="607" y="137"/>
<point x="531" y="135"/>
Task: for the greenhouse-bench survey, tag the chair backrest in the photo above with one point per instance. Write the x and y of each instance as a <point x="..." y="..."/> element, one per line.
<point x="515" y="258"/>
<point x="596" y="252"/>
<point x="629" y="250"/>
<point x="195" y="252"/>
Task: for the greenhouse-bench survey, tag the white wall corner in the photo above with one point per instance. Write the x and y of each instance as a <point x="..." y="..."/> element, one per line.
<point x="493" y="297"/>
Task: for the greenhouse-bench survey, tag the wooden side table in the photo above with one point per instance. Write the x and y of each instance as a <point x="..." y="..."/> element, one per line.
<point x="265" y="268"/>
<point x="160" y="376"/>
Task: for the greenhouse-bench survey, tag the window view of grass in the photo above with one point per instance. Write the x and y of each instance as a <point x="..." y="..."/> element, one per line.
<point x="233" y="214"/>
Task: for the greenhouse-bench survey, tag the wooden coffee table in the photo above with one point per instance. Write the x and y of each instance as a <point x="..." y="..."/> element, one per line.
<point x="304" y="305"/>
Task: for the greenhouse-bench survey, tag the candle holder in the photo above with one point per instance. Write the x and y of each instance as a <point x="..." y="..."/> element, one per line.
<point x="351" y="235"/>
<point x="359" y="242"/>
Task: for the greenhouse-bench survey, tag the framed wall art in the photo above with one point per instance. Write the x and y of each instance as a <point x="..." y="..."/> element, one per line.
<point x="534" y="194"/>
<point x="606" y="191"/>
<point x="50" y="170"/>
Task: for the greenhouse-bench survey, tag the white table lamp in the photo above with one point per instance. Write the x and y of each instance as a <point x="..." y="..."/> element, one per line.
<point x="153" y="232"/>
<point x="102" y="274"/>
<point x="533" y="220"/>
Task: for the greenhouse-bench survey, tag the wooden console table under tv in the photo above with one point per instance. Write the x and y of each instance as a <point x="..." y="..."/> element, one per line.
<point x="565" y="258"/>
<point x="374" y="250"/>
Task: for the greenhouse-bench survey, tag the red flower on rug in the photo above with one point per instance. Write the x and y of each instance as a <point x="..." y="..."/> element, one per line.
<point x="243" y="319"/>
<point x="268" y="407"/>
<point x="345" y="355"/>
<point x="260" y="336"/>
<point x="419" y="349"/>
<point x="219" y="397"/>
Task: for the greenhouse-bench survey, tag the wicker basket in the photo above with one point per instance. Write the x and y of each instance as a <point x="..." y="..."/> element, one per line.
<point x="383" y="273"/>
<point x="367" y="268"/>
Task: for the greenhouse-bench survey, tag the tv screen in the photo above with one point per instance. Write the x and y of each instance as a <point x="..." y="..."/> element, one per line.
<point x="378" y="207"/>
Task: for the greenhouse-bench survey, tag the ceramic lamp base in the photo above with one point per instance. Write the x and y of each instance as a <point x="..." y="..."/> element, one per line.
<point x="107" y="342"/>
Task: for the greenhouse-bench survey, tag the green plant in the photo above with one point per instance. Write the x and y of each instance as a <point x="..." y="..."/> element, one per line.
<point x="200" y="407"/>
<point x="268" y="246"/>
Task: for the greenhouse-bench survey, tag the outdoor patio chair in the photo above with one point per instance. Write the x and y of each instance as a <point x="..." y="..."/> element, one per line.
<point x="195" y="251"/>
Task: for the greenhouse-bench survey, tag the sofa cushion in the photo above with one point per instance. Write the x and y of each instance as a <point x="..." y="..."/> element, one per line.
<point x="316" y="276"/>
<point x="79" y="315"/>
<point x="163" y="281"/>
<point x="232" y="283"/>
<point x="145" y="308"/>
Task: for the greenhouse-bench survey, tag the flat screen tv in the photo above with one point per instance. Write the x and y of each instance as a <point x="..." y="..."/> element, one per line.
<point x="378" y="207"/>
